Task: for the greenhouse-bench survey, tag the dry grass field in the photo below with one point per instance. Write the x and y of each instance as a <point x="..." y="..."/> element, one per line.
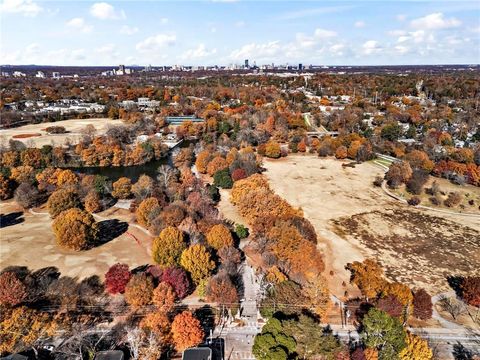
<point x="355" y="220"/>
<point x="40" y="137"/>
<point x="28" y="240"/>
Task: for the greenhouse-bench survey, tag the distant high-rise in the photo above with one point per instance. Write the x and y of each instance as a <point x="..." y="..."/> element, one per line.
<point x="300" y="67"/>
<point x="246" y="63"/>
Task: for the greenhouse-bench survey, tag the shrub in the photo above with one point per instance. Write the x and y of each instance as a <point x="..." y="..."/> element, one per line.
<point x="27" y="195"/>
<point x="12" y="290"/>
<point x="75" y="229"/>
<point x="117" y="278"/>
<point x="378" y="181"/>
<point x="139" y="291"/>
<point x="414" y="201"/>
<point x="222" y="179"/>
<point x="272" y="149"/>
<point x="61" y="200"/>
<point x="417" y="181"/>
<point x="241" y="231"/>
<point x="453" y="199"/>
<point x="341" y="152"/>
<point x="56" y="130"/>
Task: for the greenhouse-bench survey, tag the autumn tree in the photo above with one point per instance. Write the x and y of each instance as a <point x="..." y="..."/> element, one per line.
<point x="144" y="187"/>
<point x="222" y="179"/>
<point x="381" y="331"/>
<point x="186" y="331"/>
<point x="139" y="290"/>
<point x="6" y="187"/>
<point x="221" y="290"/>
<point x="26" y="195"/>
<point x="23" y="174"/>
<point x="164" y="297"/>
<point x="316" y="291"/>
<point x="219" y="236"/>
<point x="391" y="305"/>
<point x="422" y="305"/>
<point x="419" y="160"/>
<point x="368" y="276"/>
<point x="177" y="278"/>
<point x="12" y="289"/>
<point x="21" y="327"/>
<point x="62" y="199"/>
<point x="341" y="152"/>
<point x="196" y="260"/>
<point x="159" y="324"/>
<point x="399" y="172"/>
<point x="239" y="174"/>
<point x="168" y="247"/>
<point x="218" y="163"/>
<point x="402" y="292"/>
<point x="417" y="348"/>
<point x="122" y="188"/>
<point x="92" y="202"/>
<point x="272" y="149"/>
<point x="202" y="161"/>
<point x="75" y="229"/>
<point x="470" y="290"/>
<point x="66" y="177"/>
<point x="116" y="278"/>
<point x="147" y="211"/>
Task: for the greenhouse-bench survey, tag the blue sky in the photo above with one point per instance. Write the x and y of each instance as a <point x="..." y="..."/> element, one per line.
<point x="224" y="32"/>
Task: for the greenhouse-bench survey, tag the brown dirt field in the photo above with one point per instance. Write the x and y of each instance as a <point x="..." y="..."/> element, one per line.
<point x="72" y="127"/>
<point x="32" y="243"/>
<point x="355" y="220"/>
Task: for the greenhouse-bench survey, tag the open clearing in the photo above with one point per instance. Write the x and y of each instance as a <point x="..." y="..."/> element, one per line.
<point x="30" y="241"/>
<point x="73" y="128"/>
<point x="355" y="220"/>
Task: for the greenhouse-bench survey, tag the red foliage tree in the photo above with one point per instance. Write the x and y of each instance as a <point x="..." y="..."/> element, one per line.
<point x="239" y="174"/>
<point x="422" y="305"/>
<point x="391" y="305"/>
<point x="12" y="290"/>
<point x="117" y="278"/>
<point x="177" y="278"/>
<point x="471" y="290"/>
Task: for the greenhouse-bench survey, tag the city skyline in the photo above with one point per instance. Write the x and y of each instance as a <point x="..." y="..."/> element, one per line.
<point x="228" y="32"/>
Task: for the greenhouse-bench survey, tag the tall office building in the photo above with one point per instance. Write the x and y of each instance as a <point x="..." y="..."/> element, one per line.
<point x="246" y="64"/>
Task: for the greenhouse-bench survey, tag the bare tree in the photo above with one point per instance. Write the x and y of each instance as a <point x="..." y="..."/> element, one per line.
<point x="452" y="306"/>
<point x="165" y="175"/>
<point x="134" y="339"/>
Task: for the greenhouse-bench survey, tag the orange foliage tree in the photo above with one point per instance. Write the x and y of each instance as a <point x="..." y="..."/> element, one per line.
<point x="61" y="200"/>
<point x="186" y="331"/>
<point x="122" y="188"/>
<point x="272" y="149"/>
<point x="164" y="297"/>
<point x="219" y="236"/>
<point x="203" y="158"/>
<point x="147" y="211"/>
<point x="139" y="290"/>
<point x="218" y="163"/>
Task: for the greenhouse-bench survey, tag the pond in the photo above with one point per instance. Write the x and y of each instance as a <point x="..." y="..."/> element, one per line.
<point x="131" y="172"/>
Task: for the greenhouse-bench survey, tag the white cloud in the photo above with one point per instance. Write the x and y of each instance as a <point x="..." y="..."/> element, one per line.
<point x="324" y="34"/>
<point x="199" y="52"/>
<point x="128" y="30"/>
<point x="312" y="12"/>
<point x="359" y="24"/>
<point x="79" y="25"/>
<point x="24" y="7"/>
<point x="435" y="21"/>
<point x="156" y="42"/>
<point x="105" y="11"/>
<point x="337" y="49"/>
<point x="268" y="51"/>
<point x="401" y="17"/>
<point x="371" y="47"/>
<point x="401" y="49"/>
<point x="397" y="32"/>
<point x="106" y="49"/>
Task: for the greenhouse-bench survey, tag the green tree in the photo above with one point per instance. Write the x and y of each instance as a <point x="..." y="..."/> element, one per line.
<point x="272" y="343"/>
<point x="222" y="179"/>
<point x="381" y="331"/>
